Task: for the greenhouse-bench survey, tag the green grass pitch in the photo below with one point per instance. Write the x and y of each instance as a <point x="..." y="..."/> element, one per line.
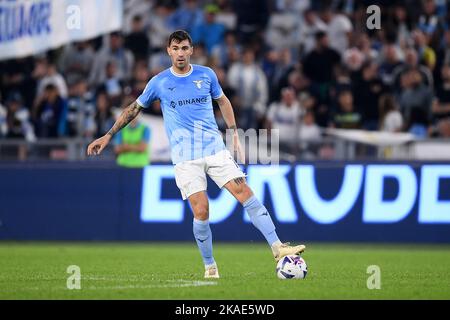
<point x="32" y="270"/>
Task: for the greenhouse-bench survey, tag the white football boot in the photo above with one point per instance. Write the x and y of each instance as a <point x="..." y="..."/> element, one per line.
<point x="285" y="249"/>
<point x="211" y="271"/>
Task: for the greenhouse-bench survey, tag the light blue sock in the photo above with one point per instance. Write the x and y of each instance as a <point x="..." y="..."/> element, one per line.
<point x="261" y="219"/>
<point x="203" y="236"/>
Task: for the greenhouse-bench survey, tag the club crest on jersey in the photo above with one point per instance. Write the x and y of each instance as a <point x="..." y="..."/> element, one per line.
<point x="198" y="83"/>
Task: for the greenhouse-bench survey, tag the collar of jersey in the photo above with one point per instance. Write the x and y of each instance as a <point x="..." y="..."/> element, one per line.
<point x="182" y="75"/>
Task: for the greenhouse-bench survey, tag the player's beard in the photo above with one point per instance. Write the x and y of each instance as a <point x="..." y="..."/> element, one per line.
<point x="181" y="65"/>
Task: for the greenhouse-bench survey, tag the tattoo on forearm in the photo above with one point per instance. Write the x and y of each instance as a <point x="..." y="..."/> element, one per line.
<point x="233" y="127"/>
<point x="125" y="118"/>
<point x="239" y="180"/>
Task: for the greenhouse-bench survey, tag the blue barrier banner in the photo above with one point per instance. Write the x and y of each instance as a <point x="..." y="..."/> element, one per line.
<point x="29" y="27"/>
<point x="331" y="201"/>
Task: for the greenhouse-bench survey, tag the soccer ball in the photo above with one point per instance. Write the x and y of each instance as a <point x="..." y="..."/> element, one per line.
<point x="292" y="267"/>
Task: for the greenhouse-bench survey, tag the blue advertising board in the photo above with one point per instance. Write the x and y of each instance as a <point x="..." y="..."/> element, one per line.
<point x="329" y="201"/>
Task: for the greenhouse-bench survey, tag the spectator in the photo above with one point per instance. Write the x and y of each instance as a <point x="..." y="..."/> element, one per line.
<point x="297" y="6"/>
<point x="309" y="26"/>
<point x="200" y="56"/>
<point x="159" y="28"/>
<point x="427" y="56"/>
<point x="187" y="17"/>
<point x="226" y="15"/>
<point x="18" y="123"/>
<point x="116" y="52"/>
<point x="137" y="41"/>
<point x="104" y="118"/>
<point x="339" y="29"/>
<point x="80" y="110"/>
<point x="210" y="32"/>
<point x="112" y="85"/>
<point x="18" y="126"/>
<point x="347" y="117"/>
<point x="309" y="136"/>
<point x="444" y="128"/>
<point x="251" y="19"/>
<point x="281" y="66"/>
<point x="250" y="84"/>
<point x="228" y="51"/>
<point x="412" y="63"/>
<point x="285" y="116"/>
<point x="442" y="56"/>
<point x="391" y="119"/>
<point x="76" y="61"/>
<point x="158" y="62"/>
<point x="389" y="61"/>
<point x="402" y="24"/>
<point x="365" y="47"/>
<point x="50" y="115"/>
<point x="441" y="105"/>
<point x="141" y="76"/>
<point x="353" y="59"/>
<point x="16" y="75"/>
<point x="319" y="64"/>
<point x="281" y="30"/>
<point x="309" y="130"/>
<point x="418" y="123"/>
<point x="367" y="91"/>
<point x="52" y="76"/>
<point x="342" y="81"/>
<point x="133" y="8"/>
<point x="428" y="20"/>
<point x="415" y="95"/>
<point x="296" y="79"/>
<point x="132" y="145"/>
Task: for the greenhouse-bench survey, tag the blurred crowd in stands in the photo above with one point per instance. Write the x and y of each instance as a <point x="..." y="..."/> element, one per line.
<point x="296" y="65"/>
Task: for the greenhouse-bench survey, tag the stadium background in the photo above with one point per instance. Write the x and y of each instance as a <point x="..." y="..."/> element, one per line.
<point x="363" y="118"/>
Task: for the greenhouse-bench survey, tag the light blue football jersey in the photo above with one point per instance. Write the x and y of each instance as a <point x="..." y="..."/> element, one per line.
<point x="186" y="103"/>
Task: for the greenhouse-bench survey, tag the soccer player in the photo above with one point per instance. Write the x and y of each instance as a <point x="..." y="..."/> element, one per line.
<point x="185" y="92"/>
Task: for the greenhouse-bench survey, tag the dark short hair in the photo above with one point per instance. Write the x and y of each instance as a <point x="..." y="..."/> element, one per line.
<point x="116" y="34"/>
<point x="320" y="34"/>
<point x="137" y="18"/>
<point x="178" y="36"/>
<point x="50" y="86"/>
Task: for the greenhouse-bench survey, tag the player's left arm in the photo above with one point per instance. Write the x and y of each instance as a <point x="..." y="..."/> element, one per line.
<point x="227" y="111"/>
<point x="228" y="115"/>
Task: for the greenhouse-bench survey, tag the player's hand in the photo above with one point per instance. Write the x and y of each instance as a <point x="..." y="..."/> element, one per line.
<point x="237" y="147"/>
<point x="97" y="146"/>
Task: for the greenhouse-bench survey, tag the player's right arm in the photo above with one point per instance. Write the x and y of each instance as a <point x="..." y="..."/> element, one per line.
<point x="128" y="114"/>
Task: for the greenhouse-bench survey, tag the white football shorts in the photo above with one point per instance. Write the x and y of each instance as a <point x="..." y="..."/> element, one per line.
<point x="190" y="176"/>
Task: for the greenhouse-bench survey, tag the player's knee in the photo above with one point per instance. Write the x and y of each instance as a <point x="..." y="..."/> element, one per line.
<point x="243" y="191"/>
<point x="201" y="212"/>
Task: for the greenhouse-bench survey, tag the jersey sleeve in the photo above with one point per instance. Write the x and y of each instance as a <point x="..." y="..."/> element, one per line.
<point x="149" y="94"/>
<point x="216" y="89"/>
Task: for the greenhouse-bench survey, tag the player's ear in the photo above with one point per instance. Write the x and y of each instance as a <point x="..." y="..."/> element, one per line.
<point x="168" y="51"/>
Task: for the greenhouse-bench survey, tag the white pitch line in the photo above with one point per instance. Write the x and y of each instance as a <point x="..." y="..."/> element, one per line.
<point x="168" y="284"/>
<point x="181" y="284"/>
